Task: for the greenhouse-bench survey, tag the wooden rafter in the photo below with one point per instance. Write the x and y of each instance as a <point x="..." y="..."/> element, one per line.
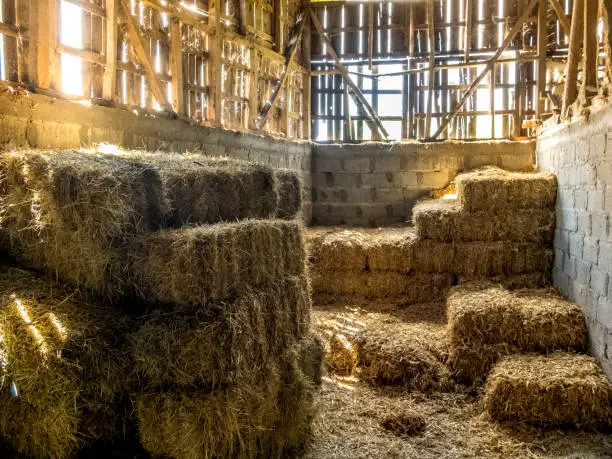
<point x="373" y="120"/>
<point x="154" y="83"/>
<point x="509" y="37"/>
<point x="541" y="46"/>
<point x="290" y="54"/>
<point x="590" y="49"/>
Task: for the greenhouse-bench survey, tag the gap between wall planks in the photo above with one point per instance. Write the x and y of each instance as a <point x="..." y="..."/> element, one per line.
<point x="172" y="65"/>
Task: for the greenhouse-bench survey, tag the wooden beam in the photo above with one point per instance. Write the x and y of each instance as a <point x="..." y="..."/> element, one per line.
<point x="573" y="56"/>
<point x="176" y="67"/>
<point x="541" y="47"/>
<point x="347" y="114"/>
<point x="253" y="88"/>
<point x="467" y="37"/>
<point x="89" y="6"/>
<point x="46" y="24"/>
<point x="214" y="106"/>
<point x="509" y="37"/>
<point x="243" y="18"/>
<point x="293" y="46"/>
<point x="306" y="99"/>
<point x="431" y="47"/>
<point x="370" y="32"/>
<point x="606" y="12"/>
<point x="590" y="50"/>
<point x="279" y="26"/>
<point x="154" y="83"/>
<point x="10" y="30"/>
<point x="565" y="23"/>
<point x="110" y="72"/>
<point x="374" y="121"/>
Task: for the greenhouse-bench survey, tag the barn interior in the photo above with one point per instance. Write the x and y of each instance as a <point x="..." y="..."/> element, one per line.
<point x="305" y="228"/>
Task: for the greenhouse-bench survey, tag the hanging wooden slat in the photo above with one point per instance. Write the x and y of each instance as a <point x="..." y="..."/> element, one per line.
<point x="431" y="47"/>
<point x="176" y="67"/>
<point x="590" y="50"/>
<point x="541" y="46"/>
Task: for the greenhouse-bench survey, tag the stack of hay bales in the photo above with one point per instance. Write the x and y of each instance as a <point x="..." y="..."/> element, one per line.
<point x="204" y="258"/>
<point x="499" y="226"/>
<point x="486" y="321"/>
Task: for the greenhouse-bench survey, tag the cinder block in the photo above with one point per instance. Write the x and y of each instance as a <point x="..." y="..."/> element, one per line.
<point x="582" y="150"/>
<point x="604" y="311"/>
<point x="565" y="198"/>
<point x="605" y="256"/>
<point x="604" y="172"/>
<point x="597" y="145"/>
<point x="559" y="257"/>
<point x="599" y="281"/>
<point x="583" y="272"/>
<point x="590" y="250"/>
<point x="576" y="244"/>
<point x="567" y="219"/>
<point x="561" y="240"/>
<point x="382" y="179"/>
<point x="358" y="165"/>
<point x="574" y="176"/>
<point x="599" y="223"/>
<point x="581" y="196"/>
<point x="385" y="163"/>
<point x="596" y="199"/>
<point x="561" y="281"/>
<point x="569" y="266"/>
<point x="584" y="223"/>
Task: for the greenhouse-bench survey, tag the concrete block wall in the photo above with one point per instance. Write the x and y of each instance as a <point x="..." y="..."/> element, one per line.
<point x="38" y="121"/>
<point x="581" y="156"/>
<point x="375" y="184"/>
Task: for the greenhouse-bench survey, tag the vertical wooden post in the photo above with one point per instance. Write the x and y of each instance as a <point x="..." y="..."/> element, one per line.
<point x="347" y="114"/>
<point x="279" y="26"/>
<point x="411" y="79"/>
<point x="307" y="88"/>
<point x="541" y="44"/>
<point x="370" y="32"/>
<point x="46" y="24"/>
<point x="110" y="73"/>
<point x="606" y="12"/>
<point x="253" y="86"/>
<point x="589" y="79"/>
<point x="573" y="57"/>
<point x="214" y="107"/>
<point x="176" y="67"/>
<point x="431" y="45"/>
<point x="492" y="77"/>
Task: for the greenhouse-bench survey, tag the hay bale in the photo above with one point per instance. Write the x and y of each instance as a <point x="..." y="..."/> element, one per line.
<point x="222" y="343"/>
<point x="199" y="265"/>
<point x="556" y="390"/>
<point x="446" y="221"/>
<point x="289" y="194"/>
<point x="62" y="367"/>
<point x="387" y="344"/>
<point x="71" y="212"/>
<point x="267" y="417"/>
<point x="493" y="189"/>
<point x="486" y="321"/>
<point x="337" y="249"/>
<point x="413" y="288"/>
<point x="392" y="249"/>
<point x="533" y="280"/>
<point x="202" y="189"/>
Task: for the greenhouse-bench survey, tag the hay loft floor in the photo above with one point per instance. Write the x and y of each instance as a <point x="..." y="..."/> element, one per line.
<point x="358" y="419"/>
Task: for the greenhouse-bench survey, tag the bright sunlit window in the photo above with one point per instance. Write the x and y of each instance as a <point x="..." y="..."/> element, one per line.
<point x="71" y="34"/>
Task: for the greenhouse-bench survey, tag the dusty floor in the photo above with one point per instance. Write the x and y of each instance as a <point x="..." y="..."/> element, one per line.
<point x="352" y="413"/>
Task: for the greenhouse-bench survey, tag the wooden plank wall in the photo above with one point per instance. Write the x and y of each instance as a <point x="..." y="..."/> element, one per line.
<point x="379" y="37"/>
<point x="208" y="63"/>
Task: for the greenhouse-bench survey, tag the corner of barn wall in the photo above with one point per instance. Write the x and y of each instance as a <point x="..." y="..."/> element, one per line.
<point x="580" y="154"/>
<point x="30" y="120"/>
<point x="374" y="184"/>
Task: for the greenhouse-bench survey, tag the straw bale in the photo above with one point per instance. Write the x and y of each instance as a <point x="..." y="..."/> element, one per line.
<point x="289" y="194"/>
<point x="413" y="288"/>
<point x="560" y="389"/>
<point x="392" y="249"/>
<point x="267" y="417"/>
<point x="199" y="265"/>
<point x="446" y="221"/>
<point x="533" y="280"/>
<point x="486" y="321"/>
<point x="332" y="249"/>
<point x="71" y="212"/>
<point x="387" y="344"/>
<point x="493" y="189"/>
<point x="225" y="343"/>
<point x="202" y="189"/>
<point x="62" y="366"/>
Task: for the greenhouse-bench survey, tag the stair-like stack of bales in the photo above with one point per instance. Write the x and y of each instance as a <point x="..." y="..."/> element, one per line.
<point x="167" y="288"/>
<point x="499" y="225"/>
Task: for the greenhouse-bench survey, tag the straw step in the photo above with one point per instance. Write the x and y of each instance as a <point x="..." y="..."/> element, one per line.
<point x="446" y="221"/>
<point x="487" y="321"/>
<point x="385" y="344"/>
<point x="560" y="389"/>
<point x="493" y="189"/>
